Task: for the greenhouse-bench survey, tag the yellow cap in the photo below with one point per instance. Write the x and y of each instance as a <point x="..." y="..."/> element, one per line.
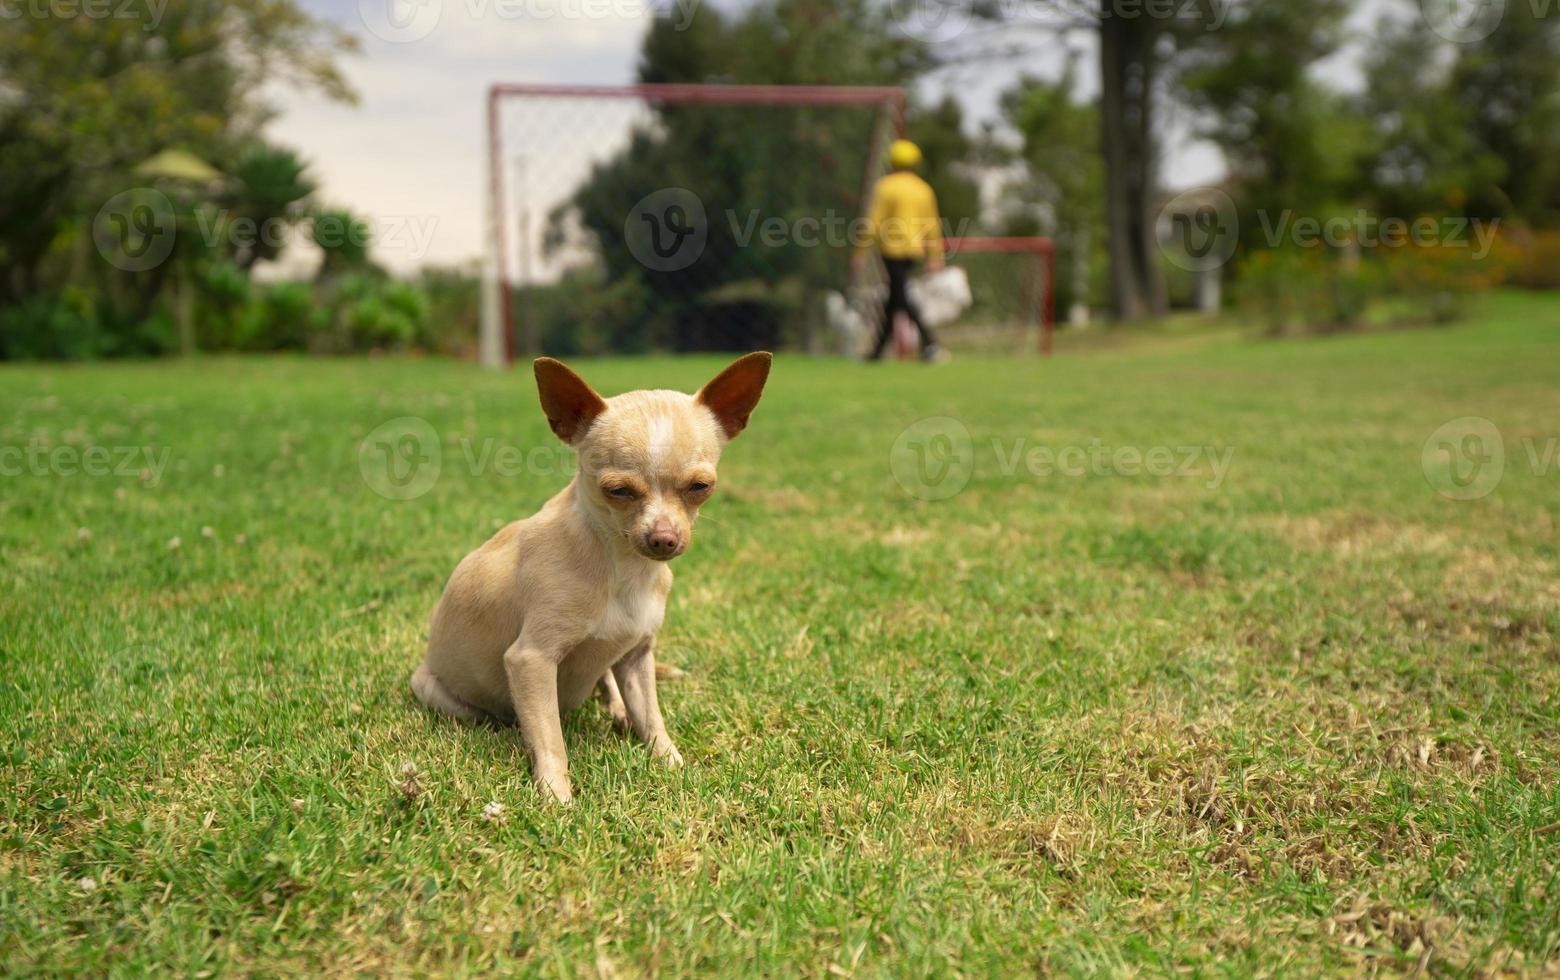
<point x="904" y="155"/>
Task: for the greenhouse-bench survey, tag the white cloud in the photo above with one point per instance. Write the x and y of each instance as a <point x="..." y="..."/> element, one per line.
<point x="411" y="157"/>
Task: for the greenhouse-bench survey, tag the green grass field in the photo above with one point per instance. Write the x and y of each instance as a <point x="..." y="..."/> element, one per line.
<point x="1301" y="714"/>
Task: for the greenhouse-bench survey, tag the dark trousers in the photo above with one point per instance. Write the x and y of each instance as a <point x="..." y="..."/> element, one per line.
<point x="899" y="300"/>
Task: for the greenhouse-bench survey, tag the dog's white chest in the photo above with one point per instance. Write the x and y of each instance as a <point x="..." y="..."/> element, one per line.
<point x="634" y="610"/>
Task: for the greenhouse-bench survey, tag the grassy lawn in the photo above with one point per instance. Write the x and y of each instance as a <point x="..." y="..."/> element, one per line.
<point x="1285" y="709"/>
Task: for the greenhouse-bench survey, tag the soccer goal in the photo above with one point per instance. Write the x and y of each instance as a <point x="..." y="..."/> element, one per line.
<point x="686" y="217"/>
<point x="1013" y="278"/>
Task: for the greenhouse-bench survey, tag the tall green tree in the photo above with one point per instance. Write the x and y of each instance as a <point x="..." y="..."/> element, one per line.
<point x="1138" y="49"/>
<point x="1508" y="85"/>
<point x="1059" y="137"/>
<point x="940" y="131"/>
<point x="1132" y="61"/>
<point x="1289" y="142"/>
<point x="795" y="164"/>
<point x="85" y="98"/>
<point x="267" y="193"/>
<point x="1425" y="157"/>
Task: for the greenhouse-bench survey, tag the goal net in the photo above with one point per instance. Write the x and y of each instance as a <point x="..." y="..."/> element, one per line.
<point x="685" y="217"/>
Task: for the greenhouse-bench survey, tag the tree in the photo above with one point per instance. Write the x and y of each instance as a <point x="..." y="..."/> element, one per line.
<point x="1130" y="63"/>
<point x="1508" y="85"/>
<point x="343" y="240"/>
<point x="1251" y="86"/>
<point x="1138" y="43"/>
<point x="794" y="164"/>
<point x="1064" y="176"/>
<point x="268" y="190"/>
<point x="940" y="133"/>
<point x="1289" y="143"/>
<point x="1425" y="157"/>
<point x="187" y="72"/>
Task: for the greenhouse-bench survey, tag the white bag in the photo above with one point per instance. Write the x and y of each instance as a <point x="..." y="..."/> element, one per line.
<point x="848" y="324"/>
<point x="942" y="295"/>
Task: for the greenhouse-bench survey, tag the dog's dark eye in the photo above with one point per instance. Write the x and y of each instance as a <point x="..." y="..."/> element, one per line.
<point x="621" y="493"/>
<point x="698" y="488"/>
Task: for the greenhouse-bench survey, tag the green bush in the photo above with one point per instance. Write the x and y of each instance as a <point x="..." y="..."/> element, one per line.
<point x="343" y="239"/>
<point x="1281" y="286"/>
<point x="1311" y="290"/>
<point x="223" y="290"/>
<point x="1352" y="288"/>
<point x="398" y="312"/>
<point x="580" y="314"/>
<point x="1317" y="289"/>
<point x="369" y="311"/>
<point x="454" y="310"/>
<point x="157" y="334"/>
<point x="1535" y="259"/>
<point x="45" y="328"/>
<point x="280" y="317"/>
<point x="222" y="283"/>
<point x="1438" y="280"/>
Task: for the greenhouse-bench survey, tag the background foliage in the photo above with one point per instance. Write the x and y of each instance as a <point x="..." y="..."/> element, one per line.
<point x="1450" y="131"/>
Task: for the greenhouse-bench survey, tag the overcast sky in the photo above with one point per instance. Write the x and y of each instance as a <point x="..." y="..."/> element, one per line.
<point x="410" y="156"/>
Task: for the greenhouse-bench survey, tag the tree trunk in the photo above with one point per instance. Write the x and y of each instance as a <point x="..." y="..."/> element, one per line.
<point x="1127" y="56"/>
<point x="185" y="307"/>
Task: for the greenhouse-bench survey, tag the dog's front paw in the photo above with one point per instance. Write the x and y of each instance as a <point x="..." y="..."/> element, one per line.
<point x="556" y="788"/>
<point x="668" y="755"/>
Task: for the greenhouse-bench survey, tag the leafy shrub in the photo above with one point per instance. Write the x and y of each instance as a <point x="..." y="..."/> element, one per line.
<point x="1440" y="278"/>
<point x="1352" y="288"/>
<point x="223" y="289"/>
<point x="46" y="328"/>
<point x="279" y="317"/>
<point x="223" y="284"/>
<point x="1535" y="259"/>
<point x="581" y="314"/>
<point x="1318" y="288"/>
<point x="1303" y="288"/>
<point x="400" y="310"/>
<point x="343" y="239"/>
<point x="369" y="311"/>
<point x="454" y="310"/>
<point x="157" y="334"/>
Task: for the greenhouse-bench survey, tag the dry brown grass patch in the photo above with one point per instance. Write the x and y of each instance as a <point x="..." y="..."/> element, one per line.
<point x="1379" y="929"/>
<point x="1020" y="844"/>
<point x="1243" y="807"/>
<point x="1349" y="534"/>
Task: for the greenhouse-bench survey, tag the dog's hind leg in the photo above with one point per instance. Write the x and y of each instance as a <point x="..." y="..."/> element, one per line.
<point x="613" y="701"/>
<point x="432" y="693"/>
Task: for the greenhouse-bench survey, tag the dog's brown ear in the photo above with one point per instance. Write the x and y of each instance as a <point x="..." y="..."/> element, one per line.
<point x="733" y="392"/>
<point x="568" y="402"/>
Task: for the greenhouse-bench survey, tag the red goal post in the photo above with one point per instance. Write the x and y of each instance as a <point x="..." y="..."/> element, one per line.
<point x="1038" y="293"/>
<point x="549" y="146"/>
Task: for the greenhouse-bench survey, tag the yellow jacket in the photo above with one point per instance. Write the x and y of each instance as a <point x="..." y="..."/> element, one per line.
<point x="902" y="221"/>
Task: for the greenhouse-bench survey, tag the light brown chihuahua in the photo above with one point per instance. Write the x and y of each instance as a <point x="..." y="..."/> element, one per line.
<point x="552" y="606"/>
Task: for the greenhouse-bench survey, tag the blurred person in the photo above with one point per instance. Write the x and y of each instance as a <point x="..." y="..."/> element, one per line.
<point x="905" y="228"/>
